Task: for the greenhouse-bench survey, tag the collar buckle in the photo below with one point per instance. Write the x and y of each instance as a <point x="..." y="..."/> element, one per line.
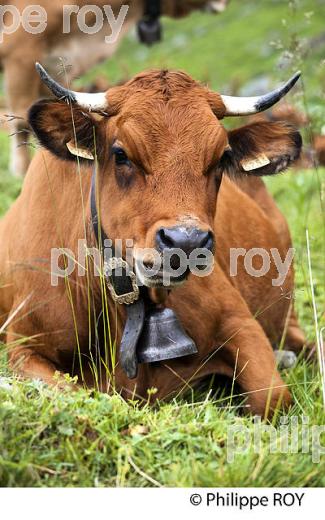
<point x="112" y="265"/>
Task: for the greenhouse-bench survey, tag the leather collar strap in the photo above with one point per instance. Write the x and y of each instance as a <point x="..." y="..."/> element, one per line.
<point x="124" y="290"/>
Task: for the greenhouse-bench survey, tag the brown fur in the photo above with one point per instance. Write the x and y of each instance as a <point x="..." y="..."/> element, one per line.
<point x="179" y="153"/>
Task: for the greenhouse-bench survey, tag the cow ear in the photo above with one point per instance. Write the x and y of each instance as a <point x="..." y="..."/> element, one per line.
<point x="261" y="148"/>
<point x="63" y="129"/>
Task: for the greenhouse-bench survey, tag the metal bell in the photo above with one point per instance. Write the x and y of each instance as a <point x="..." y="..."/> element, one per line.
<point x="163" y="337"/>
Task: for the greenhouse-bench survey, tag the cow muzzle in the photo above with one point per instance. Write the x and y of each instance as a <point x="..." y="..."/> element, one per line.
<point x="181" y="250"/>
<point x="187" y="239"/>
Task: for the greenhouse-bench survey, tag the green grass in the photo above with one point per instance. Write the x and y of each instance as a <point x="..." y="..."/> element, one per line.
<point x="50" y="438"/>
<point x="54" y="438"/>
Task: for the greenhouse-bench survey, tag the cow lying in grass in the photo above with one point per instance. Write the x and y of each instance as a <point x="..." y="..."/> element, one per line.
<point x="169" y="175"/>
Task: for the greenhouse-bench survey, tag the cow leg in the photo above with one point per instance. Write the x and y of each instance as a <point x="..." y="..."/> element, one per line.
<point x="250" y="355"/>
<point x="29" y="360"/>
<point x="248" y="352"/>
<point x="27" y="363"/>
<point x="242" y="349"/>
<point x="295" y="338"/>
<point x="22" y="86"/>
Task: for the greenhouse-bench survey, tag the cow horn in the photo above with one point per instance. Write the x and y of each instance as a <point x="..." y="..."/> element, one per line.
<point x="91" y="102"/>
<point x="244" y="106"/>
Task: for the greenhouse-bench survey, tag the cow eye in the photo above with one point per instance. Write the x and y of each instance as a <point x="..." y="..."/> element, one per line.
<point x="121" y="158"/>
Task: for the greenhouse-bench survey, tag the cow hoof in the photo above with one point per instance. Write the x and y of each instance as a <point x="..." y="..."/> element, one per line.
<point x="285" y="358"/>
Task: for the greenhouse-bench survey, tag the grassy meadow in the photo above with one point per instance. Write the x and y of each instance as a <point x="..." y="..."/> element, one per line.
<point x="56" y="438"/>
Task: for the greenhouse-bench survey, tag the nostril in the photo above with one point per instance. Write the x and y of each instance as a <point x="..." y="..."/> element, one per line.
<point x="165" y="240"/>
<point x="207" y="241"/>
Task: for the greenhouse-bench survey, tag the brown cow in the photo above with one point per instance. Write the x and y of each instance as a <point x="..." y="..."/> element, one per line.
<point x="20" y="49"/>
<point x="167" y="174"/>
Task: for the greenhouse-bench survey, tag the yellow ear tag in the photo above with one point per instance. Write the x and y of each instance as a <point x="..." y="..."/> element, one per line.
<point x="79" y="152"/>
<point x="254" y="164"/>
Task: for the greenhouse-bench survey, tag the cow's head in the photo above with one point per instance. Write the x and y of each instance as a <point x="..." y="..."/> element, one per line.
<point x="162" y="151"/>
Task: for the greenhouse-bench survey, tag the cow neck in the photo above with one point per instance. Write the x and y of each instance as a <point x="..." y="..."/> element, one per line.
<point x="121" y="282"/>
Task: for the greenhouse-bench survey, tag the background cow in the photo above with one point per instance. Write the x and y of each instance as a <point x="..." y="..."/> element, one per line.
<point x="77" y="50"/>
